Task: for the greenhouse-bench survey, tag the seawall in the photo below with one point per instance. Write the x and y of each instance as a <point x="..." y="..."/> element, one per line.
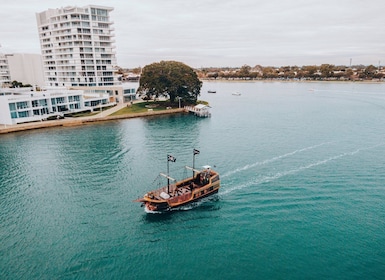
<point x="83" y="120"/>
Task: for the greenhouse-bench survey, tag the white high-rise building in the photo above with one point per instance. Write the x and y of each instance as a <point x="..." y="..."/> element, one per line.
<point x="77" y="45"/>
<point x="5" y="77"/>
<point x="26" y="68"/>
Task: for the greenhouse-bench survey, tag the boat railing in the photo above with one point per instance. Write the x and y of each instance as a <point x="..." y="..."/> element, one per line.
<point x="155" y="194"/>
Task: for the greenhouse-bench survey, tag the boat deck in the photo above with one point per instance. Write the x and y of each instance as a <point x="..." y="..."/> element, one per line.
<point x="175" y="191"/>
<point x="203" y="183"/>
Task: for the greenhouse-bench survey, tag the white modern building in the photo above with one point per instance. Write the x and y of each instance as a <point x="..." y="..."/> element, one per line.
<point x="26" y="68"/>
<point x="5" y="77"/>
<point x="22" y="105"/>
<point x="77" y="45"/>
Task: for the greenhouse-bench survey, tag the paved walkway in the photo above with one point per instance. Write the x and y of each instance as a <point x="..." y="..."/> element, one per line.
<point x="107" y="112"/>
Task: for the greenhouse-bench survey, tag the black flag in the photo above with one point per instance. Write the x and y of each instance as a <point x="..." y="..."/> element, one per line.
<point x="196" y="152"/>
<point x="171" y="158"/>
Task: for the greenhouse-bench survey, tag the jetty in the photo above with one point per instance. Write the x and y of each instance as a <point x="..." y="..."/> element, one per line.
<point x="199" y="110"/>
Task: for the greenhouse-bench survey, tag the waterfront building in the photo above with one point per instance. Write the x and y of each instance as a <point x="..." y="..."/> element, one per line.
<point x="78" y="51"/>
<point x="5" y="77"/>
<point x="21" y="105"/>
<point x="199" y="110"/>
<point x="77" y="46"/>
<point x="26" y="69"/>
<point x="119" y="94"/>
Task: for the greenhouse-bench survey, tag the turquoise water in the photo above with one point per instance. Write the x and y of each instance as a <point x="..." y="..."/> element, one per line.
<point x="302" y="197"/>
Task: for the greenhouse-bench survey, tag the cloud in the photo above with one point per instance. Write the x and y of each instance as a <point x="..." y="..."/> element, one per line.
<point x="225" y="33"/>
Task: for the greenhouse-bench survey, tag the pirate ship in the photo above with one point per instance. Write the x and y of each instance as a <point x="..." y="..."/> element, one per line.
<point x="203" y="183"/>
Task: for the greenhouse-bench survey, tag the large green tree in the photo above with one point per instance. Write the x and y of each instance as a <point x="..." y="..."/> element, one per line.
<point x="170" y="78"/>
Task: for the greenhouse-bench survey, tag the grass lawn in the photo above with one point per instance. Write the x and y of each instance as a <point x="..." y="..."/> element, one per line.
<point x="144" y="106"/>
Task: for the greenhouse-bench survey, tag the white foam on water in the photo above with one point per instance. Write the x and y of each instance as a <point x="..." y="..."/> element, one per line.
<point x="248" y="166"/>
<point x="278" y="175"/>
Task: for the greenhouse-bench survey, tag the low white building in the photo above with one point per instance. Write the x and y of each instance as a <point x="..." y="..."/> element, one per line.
<point x="199" y="110"/>
<point x="116" y="94"/>
<point x="24" y="105"/>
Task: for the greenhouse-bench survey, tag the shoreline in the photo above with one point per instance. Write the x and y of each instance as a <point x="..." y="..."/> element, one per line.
<point x="5" y="129"/>
<point x="293" y="81"/>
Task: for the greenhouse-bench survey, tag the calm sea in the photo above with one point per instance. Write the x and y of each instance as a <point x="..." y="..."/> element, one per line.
<point x="302" y="197"/>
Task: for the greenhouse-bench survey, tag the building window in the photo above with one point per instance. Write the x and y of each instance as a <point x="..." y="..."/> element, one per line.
<point x="24" y="114"/>
<point x="43" y="102"/>
<point x="22" y="105"/>
<point x="12" y="107"/>
<point x="62" y="108"/>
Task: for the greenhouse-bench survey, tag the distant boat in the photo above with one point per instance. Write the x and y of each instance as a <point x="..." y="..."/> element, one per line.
<point x="212" y="91"/>
<point x="202" y="183"/>
<point x="236" y="93"/>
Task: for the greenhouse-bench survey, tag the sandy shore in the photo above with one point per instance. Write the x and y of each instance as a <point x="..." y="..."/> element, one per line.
<point x="83" y="120"/>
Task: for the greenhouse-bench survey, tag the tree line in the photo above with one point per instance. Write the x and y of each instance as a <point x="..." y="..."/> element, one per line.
<point x="309" y="72"/>
<point x="179" y="82"/>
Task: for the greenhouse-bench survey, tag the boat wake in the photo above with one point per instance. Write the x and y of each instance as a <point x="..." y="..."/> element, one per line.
<point x="266" y="179"/>
<point x="248" y="166"/>
<point x="148" y="211"/>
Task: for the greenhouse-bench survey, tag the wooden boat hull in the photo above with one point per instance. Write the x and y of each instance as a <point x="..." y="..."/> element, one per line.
<point x="164" y="207"/>
<point x="204" y="184"/>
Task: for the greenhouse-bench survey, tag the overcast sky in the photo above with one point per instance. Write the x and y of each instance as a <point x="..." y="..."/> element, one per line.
<point x="222" y="33"/>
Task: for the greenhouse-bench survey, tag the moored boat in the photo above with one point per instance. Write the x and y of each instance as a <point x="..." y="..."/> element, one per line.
<point x="211" y="91"/>
<point x="203" y="183"/>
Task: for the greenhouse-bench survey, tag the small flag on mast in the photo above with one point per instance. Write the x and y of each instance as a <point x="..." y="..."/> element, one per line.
<point x="171" y="158"/>
<point x="196" y="152"/>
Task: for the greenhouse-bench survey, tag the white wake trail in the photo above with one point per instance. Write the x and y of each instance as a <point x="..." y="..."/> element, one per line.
<point x="248" y="166"/>
<point x="266" y="179"/>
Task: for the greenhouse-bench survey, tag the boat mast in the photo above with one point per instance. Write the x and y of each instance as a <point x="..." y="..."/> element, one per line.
<point x="173" y="159"/>
<point x="195" y="152"/>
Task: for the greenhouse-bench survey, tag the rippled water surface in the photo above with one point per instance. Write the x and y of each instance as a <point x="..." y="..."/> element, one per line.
<point x="302" y="197"/>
